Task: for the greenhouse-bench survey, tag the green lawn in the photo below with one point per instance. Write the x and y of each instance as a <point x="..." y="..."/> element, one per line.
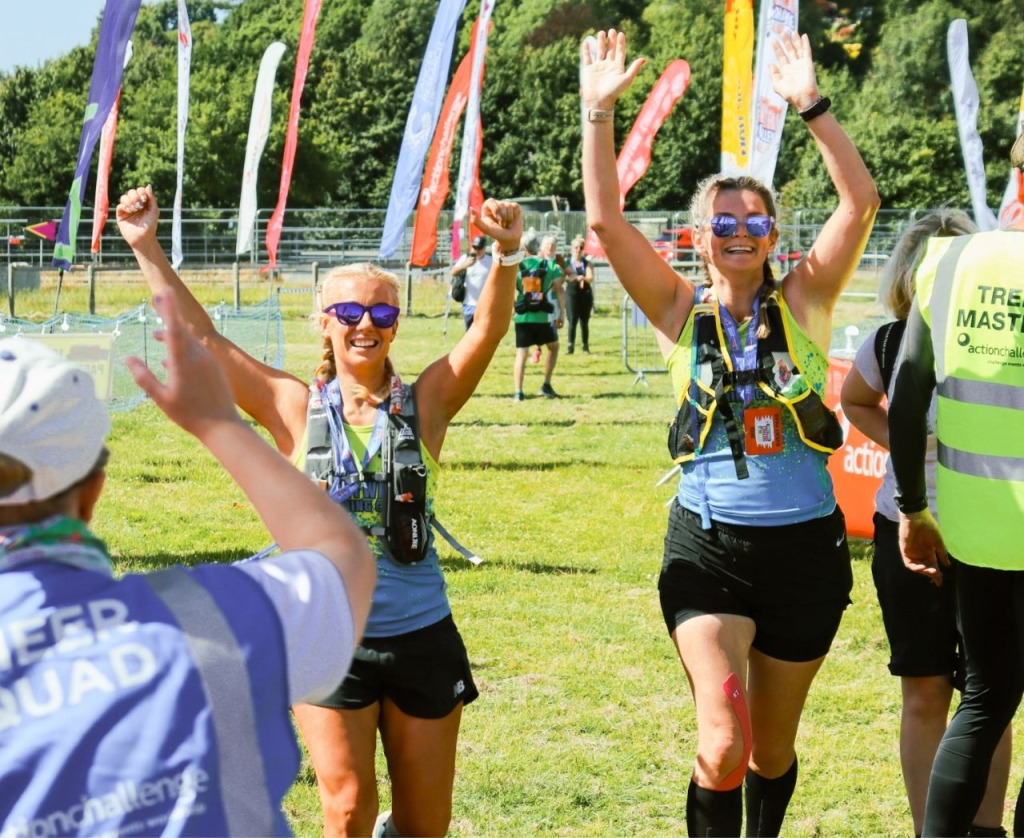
<point x="584" y="725"/>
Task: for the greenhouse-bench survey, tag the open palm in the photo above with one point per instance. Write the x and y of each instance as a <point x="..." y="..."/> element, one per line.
<point x="793" y="73"/>
<point x="604" y="75"/>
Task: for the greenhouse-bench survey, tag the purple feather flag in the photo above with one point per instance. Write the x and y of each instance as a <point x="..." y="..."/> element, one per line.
<point x="115" y="30"/>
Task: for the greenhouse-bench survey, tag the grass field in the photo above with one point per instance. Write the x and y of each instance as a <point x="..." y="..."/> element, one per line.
<point x="584" y="726"/>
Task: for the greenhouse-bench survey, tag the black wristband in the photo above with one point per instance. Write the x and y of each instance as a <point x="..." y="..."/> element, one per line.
<point x="817" y="109"/>
<point x="910" y="506"/>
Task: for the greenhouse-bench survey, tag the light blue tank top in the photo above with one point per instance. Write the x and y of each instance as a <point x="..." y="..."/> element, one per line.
<point x="407" y="597"/>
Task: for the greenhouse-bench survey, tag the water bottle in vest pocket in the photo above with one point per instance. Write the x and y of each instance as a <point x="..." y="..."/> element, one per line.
<point x="406" y="523"/>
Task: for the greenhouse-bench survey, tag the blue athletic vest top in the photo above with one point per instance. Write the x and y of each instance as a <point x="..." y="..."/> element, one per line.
<point x="110" y="720"/>
<point x="407" y="597"/>
<point x="785" y="488"/>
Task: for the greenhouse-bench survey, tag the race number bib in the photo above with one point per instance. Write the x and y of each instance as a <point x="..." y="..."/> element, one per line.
<point x="763" y="430"/>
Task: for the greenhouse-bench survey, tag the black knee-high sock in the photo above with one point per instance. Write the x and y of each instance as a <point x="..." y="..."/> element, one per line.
<point x="713" y="814"/>
<point x="767" y="801"/>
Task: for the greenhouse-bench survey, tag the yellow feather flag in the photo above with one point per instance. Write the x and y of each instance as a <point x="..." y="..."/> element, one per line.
<point x="737" y="77"/>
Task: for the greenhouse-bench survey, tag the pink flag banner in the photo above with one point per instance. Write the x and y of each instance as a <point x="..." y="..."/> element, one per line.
<point x="306" y="39"/>
<point x="635" y="155"/>
<point x="473" y="126"/>
<point x="259" y="131"/>
<point x="101" y="200"/>
<point x="775" y="19"/>
<point x="435" y="182"/>
<point x="184" y="73"/>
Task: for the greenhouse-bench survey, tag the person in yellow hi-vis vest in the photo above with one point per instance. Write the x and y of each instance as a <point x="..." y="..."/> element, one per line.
<point x="965" y="339"/>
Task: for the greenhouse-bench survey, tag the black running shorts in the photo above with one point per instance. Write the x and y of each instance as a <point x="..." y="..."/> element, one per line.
<point x="535" y="334"/>
<point x="793" y="581"/>
<point x="919" y="618"/>
<point x="426" y="673"/>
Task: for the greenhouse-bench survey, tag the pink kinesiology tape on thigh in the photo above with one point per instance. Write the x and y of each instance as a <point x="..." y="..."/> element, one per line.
<point x="733" y="690"/>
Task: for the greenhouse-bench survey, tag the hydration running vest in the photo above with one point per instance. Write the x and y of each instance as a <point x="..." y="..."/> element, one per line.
<point x="534" y="295"/>
<point x="404" y="535"/>
<point x="776" y="375"/>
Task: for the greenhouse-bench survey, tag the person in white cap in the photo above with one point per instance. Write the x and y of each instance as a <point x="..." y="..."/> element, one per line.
<point x="156" y="704"/>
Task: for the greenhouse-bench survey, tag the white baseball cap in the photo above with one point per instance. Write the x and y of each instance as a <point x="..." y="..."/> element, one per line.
<point x="50" y="419"/>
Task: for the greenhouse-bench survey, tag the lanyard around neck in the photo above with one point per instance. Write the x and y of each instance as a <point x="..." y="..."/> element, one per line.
<point x="745" y="357"/>
<point x="349" y="472"/>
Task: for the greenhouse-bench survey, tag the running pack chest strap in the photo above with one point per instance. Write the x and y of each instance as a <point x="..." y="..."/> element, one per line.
<point x="713" y="375"/>
<point x="404" y="530"/>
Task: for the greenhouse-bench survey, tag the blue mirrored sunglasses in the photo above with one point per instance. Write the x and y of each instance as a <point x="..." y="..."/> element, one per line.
<point x="381" y="314"/>
<point x="757" y="226"/>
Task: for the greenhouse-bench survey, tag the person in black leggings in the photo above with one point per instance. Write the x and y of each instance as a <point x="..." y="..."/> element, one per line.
<point x="958" y="341"/>
<point x="579" y="295"/>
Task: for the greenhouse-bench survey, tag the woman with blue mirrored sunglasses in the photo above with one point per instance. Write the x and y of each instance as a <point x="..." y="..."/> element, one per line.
<point x="756" y="571"/>
<point x="382" y="315"/>
<point x="410" y="629"/>
<point x="757" y="226"/>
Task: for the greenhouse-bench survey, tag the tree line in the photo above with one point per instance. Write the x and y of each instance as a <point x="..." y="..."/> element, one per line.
<point x="882" y="63"/>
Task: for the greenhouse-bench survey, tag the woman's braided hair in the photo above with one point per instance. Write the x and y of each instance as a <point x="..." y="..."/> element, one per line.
<point x="700" y="213"/>
<point x="327" y="369"/>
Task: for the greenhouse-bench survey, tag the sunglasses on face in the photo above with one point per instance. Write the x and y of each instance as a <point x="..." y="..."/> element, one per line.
<point x="757" y="226"/>
<point x="381" y="314"/>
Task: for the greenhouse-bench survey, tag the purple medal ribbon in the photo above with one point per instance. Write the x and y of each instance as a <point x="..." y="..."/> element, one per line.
<point x="747" y="358"/>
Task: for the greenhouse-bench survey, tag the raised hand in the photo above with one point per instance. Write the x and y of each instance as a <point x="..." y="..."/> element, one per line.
<point x="793" y="76"/>
<point x="196" y="394"/>
<point x="502" y="221"/>
<point x="603" y="74"/>
<point x="138" y="215"/>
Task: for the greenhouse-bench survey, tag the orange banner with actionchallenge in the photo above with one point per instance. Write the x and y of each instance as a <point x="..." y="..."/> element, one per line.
<point x="858" y="466"/>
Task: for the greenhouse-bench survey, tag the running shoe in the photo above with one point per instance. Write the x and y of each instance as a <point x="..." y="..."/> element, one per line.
<point x="380" y="826"/>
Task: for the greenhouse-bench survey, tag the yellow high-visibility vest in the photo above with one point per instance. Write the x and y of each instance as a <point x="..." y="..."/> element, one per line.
<point x="970" y="291"/>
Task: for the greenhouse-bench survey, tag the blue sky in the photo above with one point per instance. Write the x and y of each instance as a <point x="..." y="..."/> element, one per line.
<point x="42" y="29"/>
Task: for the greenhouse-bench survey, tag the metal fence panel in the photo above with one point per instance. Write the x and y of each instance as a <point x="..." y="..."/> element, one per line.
<point x="341" y="235"/>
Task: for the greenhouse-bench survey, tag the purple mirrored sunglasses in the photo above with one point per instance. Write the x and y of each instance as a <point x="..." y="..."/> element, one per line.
<point x="382" y="315"/>
<point x="757" y="226"/>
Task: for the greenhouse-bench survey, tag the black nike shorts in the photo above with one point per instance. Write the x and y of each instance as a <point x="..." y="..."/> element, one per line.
<point x="793" y="581"/>
<point x="425" y="672"/>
